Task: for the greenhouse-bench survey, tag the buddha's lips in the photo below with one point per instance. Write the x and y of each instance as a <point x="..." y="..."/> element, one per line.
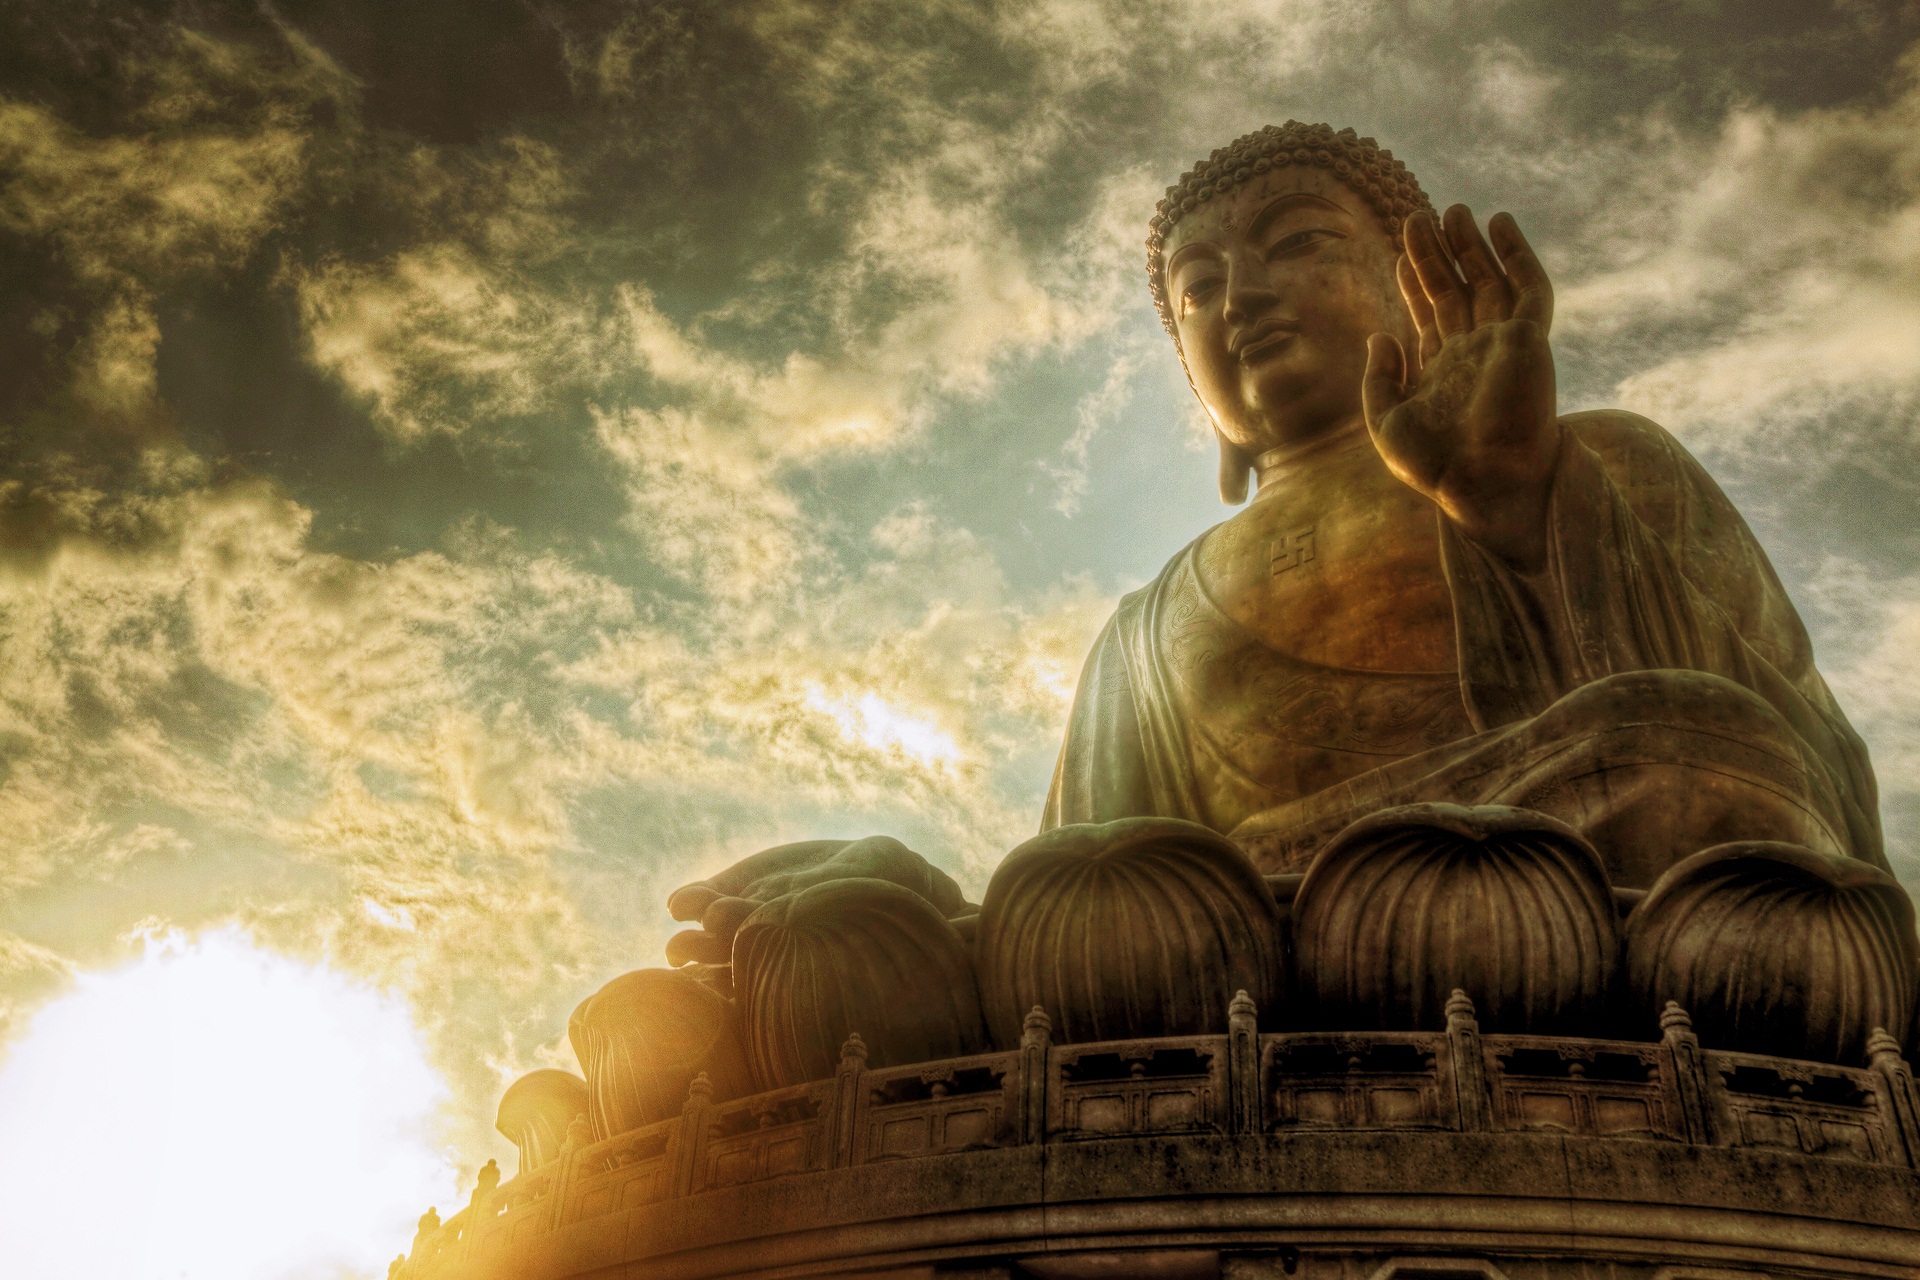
<point x="1263" y="342"/>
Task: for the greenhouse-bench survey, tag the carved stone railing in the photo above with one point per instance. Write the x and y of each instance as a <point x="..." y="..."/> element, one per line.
<point x="1669" y="1091"/>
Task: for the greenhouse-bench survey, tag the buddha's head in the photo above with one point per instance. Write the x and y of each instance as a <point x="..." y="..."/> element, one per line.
<point x="1271" y="263"/>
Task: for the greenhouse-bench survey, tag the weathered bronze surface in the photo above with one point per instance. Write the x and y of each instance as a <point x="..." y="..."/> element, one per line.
<point x="1411" y="904"/>
<point x="536" y="1112"/>
<point x="1442" y="590"/>
<point x="1770" y="944"/>
<point x="1141" y="927"/>
<point x="642" y="1039"/>
<point x="852" y="957"/>
<point x="721" y="905"/>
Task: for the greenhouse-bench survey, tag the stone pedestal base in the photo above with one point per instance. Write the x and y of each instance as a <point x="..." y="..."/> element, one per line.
<point x="1443" y="1155"/>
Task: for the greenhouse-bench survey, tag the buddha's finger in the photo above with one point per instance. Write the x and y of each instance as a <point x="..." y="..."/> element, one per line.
<point x="1426" y="332"/>
<point x="1533" y="292"/>
<point x="1492" y="296"/>
<point x="1384" y="387"/>
<point x="1452" y="310"/>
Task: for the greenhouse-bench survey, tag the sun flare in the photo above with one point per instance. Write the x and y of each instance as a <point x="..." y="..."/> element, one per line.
<point x="217" y="1112"/>
<point x="877" y="724"/>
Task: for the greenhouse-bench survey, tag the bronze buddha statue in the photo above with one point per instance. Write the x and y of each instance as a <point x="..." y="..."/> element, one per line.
<point x="1515" y="694"/>
<point x="1442" y="589"/>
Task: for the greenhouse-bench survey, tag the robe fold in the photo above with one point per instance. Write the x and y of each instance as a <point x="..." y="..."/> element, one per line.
<point x="1652" y="686"/>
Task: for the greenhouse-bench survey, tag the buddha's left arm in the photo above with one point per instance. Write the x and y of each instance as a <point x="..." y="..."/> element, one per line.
<point x="1648" y="567"/>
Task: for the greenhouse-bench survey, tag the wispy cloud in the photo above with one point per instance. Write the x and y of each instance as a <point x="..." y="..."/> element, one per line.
<point x="1096" y="409"/>
<point x="1767" y="275"/>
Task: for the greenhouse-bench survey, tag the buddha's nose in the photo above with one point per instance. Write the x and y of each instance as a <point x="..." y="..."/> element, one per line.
<point x="1248" y="297"/>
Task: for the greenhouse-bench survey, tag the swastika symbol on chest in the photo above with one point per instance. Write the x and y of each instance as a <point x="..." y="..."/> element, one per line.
<point x="1291" y="550"/>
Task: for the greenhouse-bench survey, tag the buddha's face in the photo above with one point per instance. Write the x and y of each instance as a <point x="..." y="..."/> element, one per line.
<point x="1274" y="288"/>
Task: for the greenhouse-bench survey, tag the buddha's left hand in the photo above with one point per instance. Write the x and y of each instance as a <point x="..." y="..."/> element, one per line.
<point x="1470" y="420"/>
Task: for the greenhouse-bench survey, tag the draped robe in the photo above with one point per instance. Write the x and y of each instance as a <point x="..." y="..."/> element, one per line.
<point x="1652" y="686"/>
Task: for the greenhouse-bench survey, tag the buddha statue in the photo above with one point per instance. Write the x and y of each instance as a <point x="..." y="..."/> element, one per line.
<point x="1443" y="589"/>
<point x="1377" y="755"/>
<point x="1461" y="669"/>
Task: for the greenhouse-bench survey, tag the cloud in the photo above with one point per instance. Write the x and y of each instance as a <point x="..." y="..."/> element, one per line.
<point x="413" y="746"/>
<point x="406" y="763"/>
<point x="935" y="295"/>
<point x="931" y="294"/>
<point x="28" y="975"/>
<point x="435" y="340"/>
<point x="1767" y="276"/>
<point x="1882" y="683"/>
<point x="456" y="333"/>
<point x="193" y="182"/>
<point x="826" y="693"/>
<point x="1096" y="409"/>
<point x="222" y="688"/>
<point x="1871" y="622"/>
<point x="707" y="503"/>
<point x="163" y="199"/>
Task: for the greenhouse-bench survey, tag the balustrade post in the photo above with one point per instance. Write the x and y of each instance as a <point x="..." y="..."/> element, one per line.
<point x="484" y="1202"/>
<point x="690" y="1138"/>
<point x="461" y="1224"/>
<point x="480" y="1207"/>
<point x="577" y="1139"/>
<point x="1898" y="1103"/>
<point x="1469" y="1064"/>
<point x="423" y="1238"/>
<point x="1243" y="1065"/>
<point x="1036" y="1038"/>
<point x="843" y="1128"/>
<point x="1688" y="1068"/>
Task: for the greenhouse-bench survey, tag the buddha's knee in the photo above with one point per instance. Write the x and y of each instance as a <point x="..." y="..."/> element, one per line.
<point x="1687" y="702"/>
<point x="1655" y="765"/>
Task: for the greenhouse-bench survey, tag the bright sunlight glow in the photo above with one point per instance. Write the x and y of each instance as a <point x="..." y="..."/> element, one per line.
<point x="878" y="724"/>
<point x="216" y="1112"/>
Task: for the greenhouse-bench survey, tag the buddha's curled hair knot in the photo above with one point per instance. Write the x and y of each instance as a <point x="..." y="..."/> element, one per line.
<point x="1373" y="174"/>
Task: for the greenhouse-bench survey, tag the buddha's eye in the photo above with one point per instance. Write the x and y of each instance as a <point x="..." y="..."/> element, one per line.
<point x="1195" y="293"/>
<point x="1300" y="241"/>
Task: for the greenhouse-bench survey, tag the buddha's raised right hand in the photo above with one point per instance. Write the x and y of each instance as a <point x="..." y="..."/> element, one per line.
<point x="1470" y="420"/>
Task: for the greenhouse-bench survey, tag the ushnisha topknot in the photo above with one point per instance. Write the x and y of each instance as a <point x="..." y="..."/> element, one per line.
<point x="1385" y="184"/>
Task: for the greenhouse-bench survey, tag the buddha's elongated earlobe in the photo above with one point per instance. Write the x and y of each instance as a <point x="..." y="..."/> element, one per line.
<point x="1234" y="465"/>
<point x="1234" y="462"/>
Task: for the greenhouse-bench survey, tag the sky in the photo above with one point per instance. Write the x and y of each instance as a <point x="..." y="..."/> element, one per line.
<point x="468" y="468"/>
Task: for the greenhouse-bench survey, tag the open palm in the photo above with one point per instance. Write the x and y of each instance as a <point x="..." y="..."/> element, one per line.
<point x="1469" y="418"/>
